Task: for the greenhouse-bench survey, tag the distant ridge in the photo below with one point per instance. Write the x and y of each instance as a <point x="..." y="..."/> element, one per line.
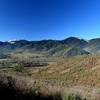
<point x="71" y="46"/>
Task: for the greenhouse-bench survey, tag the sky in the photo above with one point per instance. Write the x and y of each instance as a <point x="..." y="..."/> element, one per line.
<point x="49" y="19"/>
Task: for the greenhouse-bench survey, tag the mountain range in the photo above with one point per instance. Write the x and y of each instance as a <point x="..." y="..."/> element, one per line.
<point x="71" y="46"/>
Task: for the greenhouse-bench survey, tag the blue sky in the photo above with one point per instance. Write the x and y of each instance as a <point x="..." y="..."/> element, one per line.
<point x="49" y="19"/>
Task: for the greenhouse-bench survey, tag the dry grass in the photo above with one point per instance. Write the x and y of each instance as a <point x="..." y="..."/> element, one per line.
<point x="77" y="76"/>
<point x="26" y="85"/>
<point x="71" y="71"/>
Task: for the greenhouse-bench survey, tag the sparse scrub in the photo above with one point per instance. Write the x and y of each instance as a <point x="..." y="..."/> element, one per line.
<point x="18" y="67"/>
<point x="25" y="87"/>
<point x="60" y="73"/>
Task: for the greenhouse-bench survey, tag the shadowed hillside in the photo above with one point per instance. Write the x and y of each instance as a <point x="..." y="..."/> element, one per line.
<point x="49" y="47"/>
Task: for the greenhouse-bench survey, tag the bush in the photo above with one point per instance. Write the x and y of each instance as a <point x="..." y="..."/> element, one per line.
<point x="72" y="97"/>
<point x="18" y="67"/>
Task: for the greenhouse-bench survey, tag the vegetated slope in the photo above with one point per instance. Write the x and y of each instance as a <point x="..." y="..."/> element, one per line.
<point x="73" y="71"/>
<point x="76" y="51"/>
<point x="78" y="73"/>
<point x="70" y="47"/>
<point x="51" y="47"/>
<point x="70" y="71"/>
<point x="93" y="46"/>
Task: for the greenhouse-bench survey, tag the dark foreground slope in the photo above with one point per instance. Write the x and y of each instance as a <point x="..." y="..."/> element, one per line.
<point x="11" y="90"/>
<point x="10" y="94"/>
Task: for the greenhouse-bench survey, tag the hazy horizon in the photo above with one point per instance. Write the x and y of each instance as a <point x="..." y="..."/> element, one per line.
<point x="16" y="39"/>
<point x="48" y="39"/>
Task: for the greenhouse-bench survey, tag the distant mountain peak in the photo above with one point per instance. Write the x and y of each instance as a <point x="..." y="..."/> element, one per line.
<point x="71" y="40"/>
<point x="13" y="41"/>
